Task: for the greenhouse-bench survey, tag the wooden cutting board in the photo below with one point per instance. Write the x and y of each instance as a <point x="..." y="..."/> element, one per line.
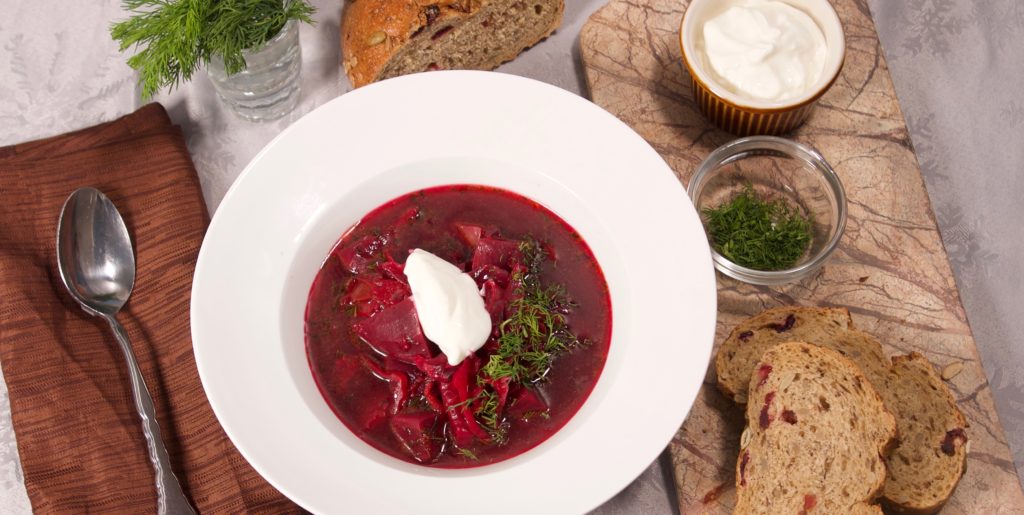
<point x="891" y="269"/>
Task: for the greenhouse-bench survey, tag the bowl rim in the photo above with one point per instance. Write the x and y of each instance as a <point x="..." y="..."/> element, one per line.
<point x="795" y="149"/>
<point x="833" y="23"/>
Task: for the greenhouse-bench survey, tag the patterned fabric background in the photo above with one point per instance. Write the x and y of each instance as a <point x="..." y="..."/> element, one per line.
<point x="957" y="64"/>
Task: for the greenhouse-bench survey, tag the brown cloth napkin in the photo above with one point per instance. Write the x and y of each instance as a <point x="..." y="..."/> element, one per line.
<point x="79" y="438"/>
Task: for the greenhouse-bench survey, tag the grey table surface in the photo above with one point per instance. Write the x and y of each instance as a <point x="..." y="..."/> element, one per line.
<point x="957" y="66"/>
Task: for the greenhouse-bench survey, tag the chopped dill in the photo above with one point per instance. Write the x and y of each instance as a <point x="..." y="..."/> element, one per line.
<point x="535" y="330"/>
<point x="487" y="415"/>
<point x="468" y="454"/>
<point x="756" y="233"/>
<point x="488" y="411"/>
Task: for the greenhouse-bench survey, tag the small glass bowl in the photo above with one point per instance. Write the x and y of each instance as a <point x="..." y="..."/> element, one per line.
<point x="776" y="168"/>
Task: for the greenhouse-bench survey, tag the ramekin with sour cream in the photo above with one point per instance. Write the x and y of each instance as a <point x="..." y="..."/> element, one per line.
<point x="758" y="66"/>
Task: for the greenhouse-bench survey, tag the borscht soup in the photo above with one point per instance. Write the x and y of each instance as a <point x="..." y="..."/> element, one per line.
<point x="458" y="326"/>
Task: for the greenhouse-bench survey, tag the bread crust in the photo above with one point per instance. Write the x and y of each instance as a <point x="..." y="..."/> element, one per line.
<point x="374" y="31"/>
<point x="363" y="51"/>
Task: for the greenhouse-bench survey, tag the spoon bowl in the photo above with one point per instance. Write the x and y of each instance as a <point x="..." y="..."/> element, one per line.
<point x="95" y="254"/>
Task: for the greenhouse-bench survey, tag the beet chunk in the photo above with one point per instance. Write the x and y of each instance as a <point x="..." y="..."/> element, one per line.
<point x="395" y="332"/>
<point x="470" y="234"/>
<point x="430" y="395"/>
<point x="359" y="256"/>
<point x="486" y="273"/>
<point x="464" y="374"/>
<point x="435" y="368"/>
<point x="461" y="434"/>
<point x="456" y="394"/>
<point x="399" y="383"/>
<point x="495" y="300"/>
<point x="525" y="404"/>
<point x="371" y="293"/>
<point x="394" y="270"/>
<point x="492" y="251"/>
<point x="417" y="434"/>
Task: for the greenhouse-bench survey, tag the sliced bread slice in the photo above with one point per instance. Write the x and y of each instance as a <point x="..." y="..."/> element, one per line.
<point x="932" y="454"/>
<point x="381" y="39"/>
<point x="750" y="339"/>
<point x="817" y="434"/>
<point x="922" y="475"/>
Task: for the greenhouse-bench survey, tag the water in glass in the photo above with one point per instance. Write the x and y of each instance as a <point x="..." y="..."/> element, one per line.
<point x="268" y="87"/>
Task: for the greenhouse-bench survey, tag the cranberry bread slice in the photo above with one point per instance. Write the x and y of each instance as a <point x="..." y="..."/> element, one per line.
<point x="381" y="39"/>
<point x="750" y="339"/>
<point x="932" y="454"/>
<point x="816" y="435"/>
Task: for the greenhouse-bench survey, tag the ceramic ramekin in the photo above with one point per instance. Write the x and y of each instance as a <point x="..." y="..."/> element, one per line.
<point x="743" y="116"/>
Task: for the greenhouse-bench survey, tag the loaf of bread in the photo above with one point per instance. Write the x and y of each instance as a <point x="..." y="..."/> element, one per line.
<point x="381" y="39"/>
<point x="816" y="436"/>
<point x="931" y="456"/>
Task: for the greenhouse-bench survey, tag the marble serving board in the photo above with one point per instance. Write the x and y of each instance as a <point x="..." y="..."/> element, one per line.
<point x="890" y="270"/>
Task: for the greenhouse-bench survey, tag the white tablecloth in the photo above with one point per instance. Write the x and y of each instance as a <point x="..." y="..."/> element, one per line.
<point x="957" y="65"/>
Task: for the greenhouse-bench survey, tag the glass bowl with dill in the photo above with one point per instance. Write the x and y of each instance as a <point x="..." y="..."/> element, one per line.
<point x="774" y="210"/>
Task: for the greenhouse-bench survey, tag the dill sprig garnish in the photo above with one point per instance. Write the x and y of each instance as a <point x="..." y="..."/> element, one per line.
<point x="535" y="330"/>
<point x="175" y="37"/>
<point x="758" y="234"/>
<point x="487" y="415"/>
<point x="532" y="335"/>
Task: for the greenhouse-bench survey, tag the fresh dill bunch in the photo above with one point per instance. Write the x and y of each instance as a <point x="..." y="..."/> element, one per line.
<point x="532" y="335"/>
<point x="175" y="37"/>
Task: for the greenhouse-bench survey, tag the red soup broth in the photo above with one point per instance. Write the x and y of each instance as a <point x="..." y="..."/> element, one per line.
<point x="359" y="382"/>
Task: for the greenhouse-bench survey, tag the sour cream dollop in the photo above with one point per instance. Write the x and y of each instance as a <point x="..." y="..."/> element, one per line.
<point x="448" y="304"/>
<point x="764" y="50"/>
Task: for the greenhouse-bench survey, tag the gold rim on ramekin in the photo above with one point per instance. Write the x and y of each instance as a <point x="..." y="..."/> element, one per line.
<point x="746" y="120"/>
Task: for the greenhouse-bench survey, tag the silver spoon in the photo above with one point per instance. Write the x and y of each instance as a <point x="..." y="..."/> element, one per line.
<point x="97" y="265"/>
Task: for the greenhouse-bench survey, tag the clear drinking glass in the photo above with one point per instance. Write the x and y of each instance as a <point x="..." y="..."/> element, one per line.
<point x="268" y="87"/>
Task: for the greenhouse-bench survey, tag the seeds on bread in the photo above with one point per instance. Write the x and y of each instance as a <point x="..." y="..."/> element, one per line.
<point x="381" y="39"/>
<point x="818" y="433"/>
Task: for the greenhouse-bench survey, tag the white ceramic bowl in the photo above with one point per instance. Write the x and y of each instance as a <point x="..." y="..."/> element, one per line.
<point x="280" y="219"/>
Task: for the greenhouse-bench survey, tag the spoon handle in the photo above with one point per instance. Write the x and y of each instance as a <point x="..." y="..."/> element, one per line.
<point x="170" y="499"/>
